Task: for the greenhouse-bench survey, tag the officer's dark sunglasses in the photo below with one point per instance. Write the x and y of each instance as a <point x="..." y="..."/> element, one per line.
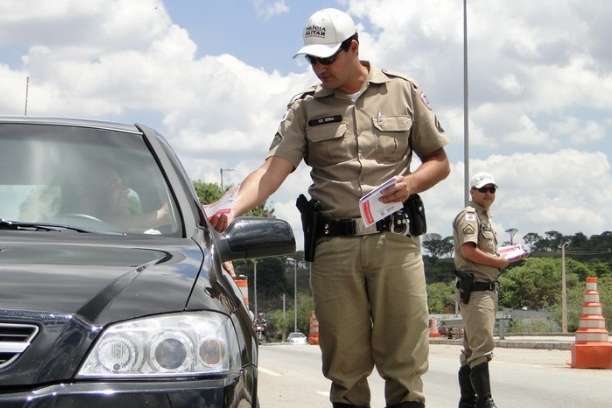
<point x="484" y="189"/>
<point x="323" y="61"/>
<point x="346" y="44"/>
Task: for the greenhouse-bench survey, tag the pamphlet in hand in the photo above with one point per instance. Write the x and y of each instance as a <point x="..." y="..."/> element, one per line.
<point x="222" y="205"/>
<point x="372" y="209"/>
<point x="512" y="253"/>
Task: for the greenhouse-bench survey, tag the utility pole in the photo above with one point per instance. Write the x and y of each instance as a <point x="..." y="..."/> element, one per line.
<point x="466" y="127"/>
<point x="221" y="170"/>
<point x="25" y="110"/>
<point x="284" y="337"/>
<point x="255" y="285"/>
<point x="295" y="262"/>
<point x="563" y="290"/>
<point x="512" y="232"/>
<point x="295" y="295"/>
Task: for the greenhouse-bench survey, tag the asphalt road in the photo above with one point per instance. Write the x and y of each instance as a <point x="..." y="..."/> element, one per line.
<point x="290" y="376"/>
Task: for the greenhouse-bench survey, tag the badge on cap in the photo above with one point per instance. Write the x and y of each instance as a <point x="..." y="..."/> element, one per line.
<point x="425" y="100"/>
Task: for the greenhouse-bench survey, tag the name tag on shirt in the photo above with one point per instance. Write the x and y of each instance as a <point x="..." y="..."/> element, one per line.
<point x="325" y="120"/>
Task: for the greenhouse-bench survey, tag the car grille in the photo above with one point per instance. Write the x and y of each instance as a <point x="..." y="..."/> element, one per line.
<point x="14" y="340"/>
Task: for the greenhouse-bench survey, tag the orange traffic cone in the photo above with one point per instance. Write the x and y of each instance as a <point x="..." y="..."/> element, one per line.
<point x="592" y="348"/>
<point x="433" y="327"/>
<point x="243" y="284"/>
<point x="313" y="332"/>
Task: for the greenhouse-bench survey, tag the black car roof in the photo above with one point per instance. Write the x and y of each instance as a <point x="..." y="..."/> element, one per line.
<point x="96" y="124"/>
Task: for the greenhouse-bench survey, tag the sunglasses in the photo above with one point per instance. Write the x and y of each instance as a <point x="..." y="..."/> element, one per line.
<point x="323" y="61"/>
<point x="491" y="189"/>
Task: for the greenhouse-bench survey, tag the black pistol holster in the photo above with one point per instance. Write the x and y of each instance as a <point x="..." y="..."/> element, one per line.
<point x="465" y="285"/>
<point x="310" y="211"/>
<point x="415" y="209"/>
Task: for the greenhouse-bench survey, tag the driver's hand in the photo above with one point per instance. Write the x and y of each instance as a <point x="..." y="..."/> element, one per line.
<point x="221" y="219"/>
<point x="163" y="215"/>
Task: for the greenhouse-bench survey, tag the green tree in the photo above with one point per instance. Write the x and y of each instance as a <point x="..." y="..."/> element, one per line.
<point x="211" y="192"/>
<point x="441" y="297"/>
<point x="531" y="239"/>
<point x="282" y="324"/>
<point x="207" y="192"/>
<point x="437" y="246"/>
<point x="536" y="284"/>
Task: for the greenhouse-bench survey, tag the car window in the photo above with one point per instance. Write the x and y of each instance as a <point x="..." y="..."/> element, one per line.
<point x="99" y="180"/>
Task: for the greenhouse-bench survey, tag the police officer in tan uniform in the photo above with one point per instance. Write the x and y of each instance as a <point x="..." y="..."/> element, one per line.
<point x="357" y="129"/>
<point x="477" y="264"/>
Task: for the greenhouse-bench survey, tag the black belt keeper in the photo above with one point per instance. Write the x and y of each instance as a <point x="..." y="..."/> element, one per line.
<point x="337" y="228"/>
<point x="481" y="286"/>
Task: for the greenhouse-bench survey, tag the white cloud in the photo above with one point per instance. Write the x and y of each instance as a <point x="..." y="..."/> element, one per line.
<point x="568" y="190"/>
<point x="267" y="9"/>
<point x="100" y="24"/>
<point x="525" y="65"/>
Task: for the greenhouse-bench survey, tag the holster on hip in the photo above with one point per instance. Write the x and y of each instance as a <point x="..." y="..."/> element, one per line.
<point x="465" y="285"/>
<point x="310" y="211"/>
<point x="415" y="209"/>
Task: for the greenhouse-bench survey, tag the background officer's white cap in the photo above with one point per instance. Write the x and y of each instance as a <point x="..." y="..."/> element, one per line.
<point x="324" y="32"/>
<point x="482" y="179"/>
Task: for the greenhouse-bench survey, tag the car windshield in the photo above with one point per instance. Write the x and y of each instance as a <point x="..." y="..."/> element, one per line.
<point x="95" y="180"/>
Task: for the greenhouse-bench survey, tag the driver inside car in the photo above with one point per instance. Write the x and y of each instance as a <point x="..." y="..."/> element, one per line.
<point x="95" y="196"/>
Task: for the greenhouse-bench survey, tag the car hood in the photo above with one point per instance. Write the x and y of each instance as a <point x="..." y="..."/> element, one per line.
<point x="96" y="279"/>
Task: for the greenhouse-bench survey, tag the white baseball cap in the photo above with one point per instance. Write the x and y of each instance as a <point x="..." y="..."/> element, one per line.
<point x="482" y="179"/>
<point x="324" y="32"/>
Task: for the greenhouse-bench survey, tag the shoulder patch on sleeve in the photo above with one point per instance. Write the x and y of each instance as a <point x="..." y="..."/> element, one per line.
<point x="278" y="138"/>
<point x="468" y="229"/>
<point x="424" y="99"/>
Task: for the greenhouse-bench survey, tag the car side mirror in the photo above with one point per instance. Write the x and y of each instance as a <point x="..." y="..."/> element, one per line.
<point x="256" y="237"/>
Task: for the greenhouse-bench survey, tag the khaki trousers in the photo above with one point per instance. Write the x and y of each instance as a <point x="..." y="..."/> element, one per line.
<point x="479" y="322"/>
<point x="371" y="303"/>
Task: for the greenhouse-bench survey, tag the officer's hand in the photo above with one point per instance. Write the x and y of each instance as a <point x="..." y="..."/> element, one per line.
<point x="503" y="263"/>
<point x="221" y="219"/>
<point x="399" y="192"/>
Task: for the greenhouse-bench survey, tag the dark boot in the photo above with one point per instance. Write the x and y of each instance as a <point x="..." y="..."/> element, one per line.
<point x="342" y="405"/>
<point x="468" y="395"/>
<point x="482" y="385"/>
<point x="407" y="404"/>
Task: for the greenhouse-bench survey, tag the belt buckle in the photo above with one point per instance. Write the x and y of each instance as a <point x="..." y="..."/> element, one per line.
<point x="401" y="219"/>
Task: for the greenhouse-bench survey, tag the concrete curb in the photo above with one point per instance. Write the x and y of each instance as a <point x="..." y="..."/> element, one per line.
<point x="526" y="344"/>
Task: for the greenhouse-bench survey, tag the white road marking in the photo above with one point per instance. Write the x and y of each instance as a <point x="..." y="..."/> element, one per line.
<point x="269" y="372"/>
<point x="323" y="393"/>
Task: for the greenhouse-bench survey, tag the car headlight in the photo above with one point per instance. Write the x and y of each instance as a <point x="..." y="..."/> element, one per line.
<point x="170" y="345"/>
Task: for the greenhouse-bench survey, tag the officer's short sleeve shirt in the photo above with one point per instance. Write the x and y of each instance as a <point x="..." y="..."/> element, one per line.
<point x="353" y="146"/>
<point x="473" y="224"/>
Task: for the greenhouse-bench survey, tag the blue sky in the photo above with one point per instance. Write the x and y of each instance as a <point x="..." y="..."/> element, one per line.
<point x="215" y="76"/>
<point x="235" y="27"/>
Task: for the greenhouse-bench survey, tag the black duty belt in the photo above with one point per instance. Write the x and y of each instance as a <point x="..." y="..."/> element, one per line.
<point x="397" y="222"/>
<point x="478" y="286"/>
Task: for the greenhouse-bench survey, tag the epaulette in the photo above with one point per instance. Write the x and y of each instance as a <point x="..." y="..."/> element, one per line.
<point x="469" y="209"/>
<point x="302" y="95"/>
<point x="398" y="75"/>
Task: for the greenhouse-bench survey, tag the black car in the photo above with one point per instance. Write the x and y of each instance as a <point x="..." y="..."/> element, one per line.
<point x="112" y="292"/>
